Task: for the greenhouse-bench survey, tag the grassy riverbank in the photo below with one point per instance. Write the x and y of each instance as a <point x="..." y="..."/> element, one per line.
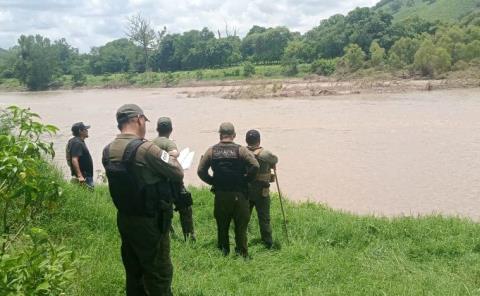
<point x="366" y="79"/>
<point x="331" y="253"/>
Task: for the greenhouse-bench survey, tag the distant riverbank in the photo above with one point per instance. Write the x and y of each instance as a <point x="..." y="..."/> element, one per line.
<point x="268" y="81"/>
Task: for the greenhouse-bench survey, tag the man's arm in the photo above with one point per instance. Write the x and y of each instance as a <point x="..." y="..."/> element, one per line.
<point x="251" y="162"/>
<point x="76" y="151"/>
<point x="203" y="166"/>
<point x="160" y="161"/>
<point x="76" y="169"/>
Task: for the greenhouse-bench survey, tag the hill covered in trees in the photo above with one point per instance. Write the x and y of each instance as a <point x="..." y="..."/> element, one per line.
<point x="443" y="10"/>
<point x="364" y="39"/>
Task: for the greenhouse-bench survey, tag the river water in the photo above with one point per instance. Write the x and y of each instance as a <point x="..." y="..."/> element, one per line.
<point x="384" y="154"/>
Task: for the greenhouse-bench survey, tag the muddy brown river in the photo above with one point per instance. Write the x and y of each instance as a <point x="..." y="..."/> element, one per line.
<point x="384" y="154"/>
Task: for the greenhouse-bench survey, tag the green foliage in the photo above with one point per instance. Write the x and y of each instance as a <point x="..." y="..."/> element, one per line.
<point x="116" y="56"/>
<point x="431" y="60"/>
<point x="330" y="252"/>
<point x="27" y="189"/>
<point x="36" y="63"/>
<point x="38" y="267"/>
<point x="404" y="49"/>
<point x="264" y="45"/>
<point x="354" y="58"/>
<point x="290" y="66"/>
<point x="323" y="67"/>
<point x="361" y="26"/>
<point x="248" y="69"/>
<point x="30" y="264"/>
<point x="444" y="10"/>
<point x="78" y="77"/>
<point x="170" y="79"/>
<point x="377" y="55"/>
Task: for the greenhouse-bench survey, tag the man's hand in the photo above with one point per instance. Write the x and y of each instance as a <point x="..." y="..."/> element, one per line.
<point x="81" y="179"/>
<point x="174" y="153"/>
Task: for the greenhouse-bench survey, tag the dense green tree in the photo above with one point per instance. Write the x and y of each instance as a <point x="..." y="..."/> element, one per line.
<point x="377" y="55"/>
<point x="120" y="55"/>
<point x="432" y="60"/>
<point x="36" y="62"/>
<point x="266" y="46"/>
<point x="65" y="55"/>
<point x="405" y="49"/>
<point x="354" y="58"/>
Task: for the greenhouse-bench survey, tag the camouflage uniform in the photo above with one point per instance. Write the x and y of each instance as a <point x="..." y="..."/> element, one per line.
<point x="259" y="192"/>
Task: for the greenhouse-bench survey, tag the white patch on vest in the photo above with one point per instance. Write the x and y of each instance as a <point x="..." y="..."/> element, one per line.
<point x="165" y="156"/>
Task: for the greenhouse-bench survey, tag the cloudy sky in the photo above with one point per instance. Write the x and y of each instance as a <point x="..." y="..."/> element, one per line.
<point x="87" y="23"/>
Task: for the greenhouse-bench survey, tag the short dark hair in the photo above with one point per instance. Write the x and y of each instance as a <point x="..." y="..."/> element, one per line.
<point x="252" y="137"/>
<point x="122" y="122"/>
<point x="164" y="129"/>
<point x="76" y="132"/>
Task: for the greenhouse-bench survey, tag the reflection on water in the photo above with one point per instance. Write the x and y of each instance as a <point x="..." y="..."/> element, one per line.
<point x="383" y="154"/>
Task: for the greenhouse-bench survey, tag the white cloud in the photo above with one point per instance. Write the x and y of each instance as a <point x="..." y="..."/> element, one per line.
<point x="87" y="23"/>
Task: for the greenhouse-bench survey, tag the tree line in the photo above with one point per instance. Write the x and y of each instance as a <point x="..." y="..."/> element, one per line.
<point x="363" y="38"/>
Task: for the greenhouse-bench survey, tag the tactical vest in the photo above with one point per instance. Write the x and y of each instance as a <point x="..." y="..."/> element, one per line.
<point x="228" y="169"/>
<point x="129" y="194"/>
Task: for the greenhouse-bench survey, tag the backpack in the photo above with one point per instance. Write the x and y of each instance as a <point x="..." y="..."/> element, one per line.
<point x="125" y="190"/>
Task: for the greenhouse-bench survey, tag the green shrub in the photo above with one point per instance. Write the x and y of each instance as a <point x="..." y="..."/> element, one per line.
<point x="323" y="67"/>
<point x="38" y="267"/>
<point x="199" y="75"/>
<point x="290" y="66"/>
<point x="170" y="79"/>
<point x="248" y="69"/>
<point x="78" y="77"/>
<point x="27" y="190"/>
<point x="432" y="60"/>
<point x="353" y="60"/>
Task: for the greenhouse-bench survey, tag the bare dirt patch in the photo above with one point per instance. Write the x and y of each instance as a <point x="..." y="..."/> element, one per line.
<point x="318" y="87"/>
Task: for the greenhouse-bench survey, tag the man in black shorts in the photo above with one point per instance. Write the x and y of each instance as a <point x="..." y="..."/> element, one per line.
<point x="78" y="157"/>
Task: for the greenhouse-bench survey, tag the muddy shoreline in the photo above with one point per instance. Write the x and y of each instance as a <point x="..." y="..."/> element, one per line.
<point x="309" y="86"/>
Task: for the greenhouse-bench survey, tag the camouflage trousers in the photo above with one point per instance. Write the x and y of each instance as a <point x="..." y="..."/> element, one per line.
<point x="261" y="202"/>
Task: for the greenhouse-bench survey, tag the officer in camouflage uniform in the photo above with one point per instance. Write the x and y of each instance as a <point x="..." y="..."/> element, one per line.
<point x="143" y="225"/>
<point x="164" y="129"/>
<point x="233" y="167"/>
<point x="258" y="190"/>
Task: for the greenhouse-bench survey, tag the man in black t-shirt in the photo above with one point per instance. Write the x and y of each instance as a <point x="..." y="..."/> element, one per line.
<point x="78" y="157"/>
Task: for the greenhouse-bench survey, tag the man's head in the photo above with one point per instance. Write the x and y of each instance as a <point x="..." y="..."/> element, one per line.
<point x="253" y="138"/>
<point x="227" y="131"/>
<point x="79" y="129"/>
<point x="131" y="119"/>
<point x="164" y="127"/>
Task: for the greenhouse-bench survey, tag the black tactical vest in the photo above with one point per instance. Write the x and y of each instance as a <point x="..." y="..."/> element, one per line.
<point x="228" y="169"/>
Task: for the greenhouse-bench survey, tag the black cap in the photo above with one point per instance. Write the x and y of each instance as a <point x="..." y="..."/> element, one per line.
<point x="79" y="126"/>
<point x="252" y="137"/>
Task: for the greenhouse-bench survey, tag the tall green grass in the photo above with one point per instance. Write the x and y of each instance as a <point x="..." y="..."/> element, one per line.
<point x="330" y="252"/>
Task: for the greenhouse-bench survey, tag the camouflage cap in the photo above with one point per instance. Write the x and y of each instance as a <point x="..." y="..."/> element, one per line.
<point x="164" y="122"/>
<point x="226" y="128"/>
<point x="128" y="111"/>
